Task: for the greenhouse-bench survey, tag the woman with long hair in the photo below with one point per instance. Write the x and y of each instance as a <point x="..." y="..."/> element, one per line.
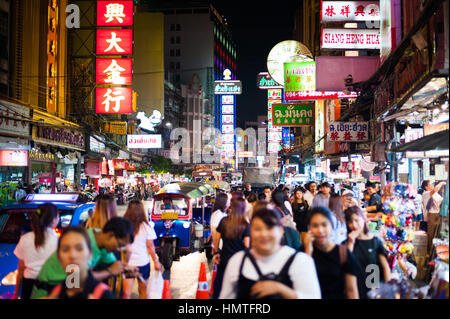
<point x="368" y="249"/>
<point x="141" y="249"/>
<point x="336" y="205"/>
<point x="300" y="208"/>
<point x="336" y="266"/>
<point x="269" y="270"/>
<point x="234" y="231"/>
<point x="75" y="250"/>
<point x="219" y="210"/>
<point x="105" y="209"/>
<point x="279" y="200"/>
<point x="35" y="247"/>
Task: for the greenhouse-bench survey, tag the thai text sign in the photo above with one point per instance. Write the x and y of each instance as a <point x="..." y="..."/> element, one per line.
<point x="300" y="76"/>
<point x="275" y="94"/>
<point x="350" y="39"/>
<point x="348" y="131"/>
<point x="348" y="11"/>
<point x="114" y="100"/>
<point x="227" y="87"/>
<point x="290" y="114"/>
<point x="318" y="95"/>
<point x="114" y="13"/>
<point x="144" y="141"/>
<point x="264" y="81"/>
<point x="245" y="154"/>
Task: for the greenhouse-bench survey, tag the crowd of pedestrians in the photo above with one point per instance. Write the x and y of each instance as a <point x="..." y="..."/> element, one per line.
<point x="308" y="243"/>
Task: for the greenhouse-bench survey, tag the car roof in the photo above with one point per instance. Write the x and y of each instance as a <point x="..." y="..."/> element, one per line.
<point x="34" y="205"/>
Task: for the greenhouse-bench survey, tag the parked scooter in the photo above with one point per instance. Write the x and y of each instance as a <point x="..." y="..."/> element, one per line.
<point x="129" y="195"/>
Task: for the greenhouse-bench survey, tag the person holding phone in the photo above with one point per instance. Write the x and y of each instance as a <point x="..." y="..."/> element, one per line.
<point x="336" y="266"/>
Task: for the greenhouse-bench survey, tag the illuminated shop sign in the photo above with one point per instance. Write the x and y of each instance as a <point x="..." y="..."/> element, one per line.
<point x="227" y="109"/>
<point x="115" y="42"/>
<point x="114" y="71"/>
<point x="348" y="131"/>
<point x="144" y="141"/>
<point x="265" y="81"/>
<point x="318" y="95"/>
<point x="292" y="114"/>
<point x="227" y="129"/>
<point x="350" y="39"/>
<point x="114" y="13"/>
<point x="227" y="99"/>
<point x="275" y="94"/>
<point x="350" y="11"/>
<point x="299" y="76"/>
<point x="228" y="119"/>
<point x="114" y="100"/>
<point x="227" y="87"/>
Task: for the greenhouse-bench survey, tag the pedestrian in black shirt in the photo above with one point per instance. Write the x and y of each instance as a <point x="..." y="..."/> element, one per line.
<point x="234" y="230"/>
<point x="300" y="209"/>
<point x="336" y="266"/>
<point x="368" y="250"/>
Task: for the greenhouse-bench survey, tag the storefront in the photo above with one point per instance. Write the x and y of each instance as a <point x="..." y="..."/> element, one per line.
<point x="57" y="152"/>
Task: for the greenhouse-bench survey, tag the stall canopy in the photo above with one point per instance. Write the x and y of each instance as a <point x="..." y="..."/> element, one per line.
<point x="434" y="142"/>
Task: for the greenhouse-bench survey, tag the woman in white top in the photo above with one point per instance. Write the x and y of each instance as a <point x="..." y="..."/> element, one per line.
<point x="336" y="205"/>
<point x="269" y="270"/>
<point x="141" y="249"/>
<point x="35" y="247"/>
<point x="220" y="208"/>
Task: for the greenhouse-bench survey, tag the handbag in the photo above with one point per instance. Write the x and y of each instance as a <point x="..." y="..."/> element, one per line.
<point x="155" y="286"/>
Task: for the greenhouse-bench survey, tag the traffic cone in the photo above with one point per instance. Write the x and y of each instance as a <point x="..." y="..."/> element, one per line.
<point x="211" y="291"/>
<point x="202" y="289"/>
<point x="166" y="290"/>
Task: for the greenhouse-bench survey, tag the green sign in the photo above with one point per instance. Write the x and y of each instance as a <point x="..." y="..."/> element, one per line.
<point x="227" y="87"/>
<point x="265" y="81"/>
<point x="290" y="114"/>
<point x="300" y="76"/>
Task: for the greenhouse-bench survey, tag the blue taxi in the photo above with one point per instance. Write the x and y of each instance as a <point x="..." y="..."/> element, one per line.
<point x="74" y="209"/>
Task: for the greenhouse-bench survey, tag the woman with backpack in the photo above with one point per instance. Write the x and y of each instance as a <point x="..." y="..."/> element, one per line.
<point x="35" y="247"/>
<point x="269" y="270"/>
<point x="368" y="249"/>
<point x="74" y="252"/>
<point x="336" y="266"/>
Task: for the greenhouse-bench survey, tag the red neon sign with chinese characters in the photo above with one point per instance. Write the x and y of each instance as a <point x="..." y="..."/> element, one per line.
<point x="114" y="100"/>
<point x="115" y="42"/>
<point x="114" y="13"/>
<point x="114" y="71"/>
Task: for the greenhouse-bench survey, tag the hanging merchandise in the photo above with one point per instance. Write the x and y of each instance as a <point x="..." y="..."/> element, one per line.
<point x="397" y="223"/>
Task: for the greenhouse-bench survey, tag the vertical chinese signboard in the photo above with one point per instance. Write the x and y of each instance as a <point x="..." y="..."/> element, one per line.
<point x="274" y="133"/>
<point x="114" y="67"/>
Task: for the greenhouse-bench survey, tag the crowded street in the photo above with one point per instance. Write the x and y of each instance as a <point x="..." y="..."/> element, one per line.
<point x="140" y="159"/>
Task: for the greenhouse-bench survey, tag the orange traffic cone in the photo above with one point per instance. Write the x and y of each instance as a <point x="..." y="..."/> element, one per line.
<point x="166" y="290"/>
<point x="202" y="289"/>
<point x="211" y="291"/>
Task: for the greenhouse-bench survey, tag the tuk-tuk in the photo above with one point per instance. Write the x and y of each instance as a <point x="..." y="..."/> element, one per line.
<point x="181" y="220"/>
<point x="15" y="219"/>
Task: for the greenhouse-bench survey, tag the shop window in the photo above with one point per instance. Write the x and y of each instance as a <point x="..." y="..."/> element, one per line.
<point x="172" y="52"/>
<point x="178" y="52"/>
<point x="178" y="27"/>
<point x="172" y="40"/>
<point x="178" y="66"/>
<point x="172" y="27"/>
<point x="178" y="41"/>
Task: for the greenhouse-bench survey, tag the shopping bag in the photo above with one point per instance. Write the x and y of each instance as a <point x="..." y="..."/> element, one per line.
<point x="155" y="286"/>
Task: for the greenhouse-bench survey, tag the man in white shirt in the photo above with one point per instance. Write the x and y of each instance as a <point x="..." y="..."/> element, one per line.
<point x="311" y="191"/>
<point x="431" y="203"/>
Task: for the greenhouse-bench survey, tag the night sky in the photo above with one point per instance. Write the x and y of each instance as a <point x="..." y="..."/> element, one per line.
<point x="256" y="26"/>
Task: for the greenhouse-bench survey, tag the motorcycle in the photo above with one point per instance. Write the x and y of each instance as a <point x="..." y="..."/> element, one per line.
<point x="129" y="195"/>
<point x="120" y="198"/>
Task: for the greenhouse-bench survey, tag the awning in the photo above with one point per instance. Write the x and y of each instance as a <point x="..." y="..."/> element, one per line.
<point x="434" y="142"/>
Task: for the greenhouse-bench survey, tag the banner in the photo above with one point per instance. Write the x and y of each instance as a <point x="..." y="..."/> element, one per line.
<point x="144" y="141"/>
<point x="349" y="11"/>
<point x="348" y="131"/>
<point x="290" y="114"/>
<point x="300" y="76"/>
<point x="350" y="39"/>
